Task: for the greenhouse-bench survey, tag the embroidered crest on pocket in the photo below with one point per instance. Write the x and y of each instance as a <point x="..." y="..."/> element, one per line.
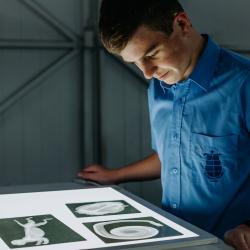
<point x="213" y="168"/>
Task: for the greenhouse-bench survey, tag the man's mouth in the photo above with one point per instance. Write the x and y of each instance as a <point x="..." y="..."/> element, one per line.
<point x="163" y="76"/>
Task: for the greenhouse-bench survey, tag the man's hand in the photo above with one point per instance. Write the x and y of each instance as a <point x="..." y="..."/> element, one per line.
<point x="146" y="169"/>
<point x="98" y="173"/>
<point x="238" y="237"/>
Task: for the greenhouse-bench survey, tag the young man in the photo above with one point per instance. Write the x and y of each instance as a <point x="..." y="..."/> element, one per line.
<point x="199" y="104"/>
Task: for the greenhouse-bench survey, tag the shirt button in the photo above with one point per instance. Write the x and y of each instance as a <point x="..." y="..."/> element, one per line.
<point x="175" y="136"/>
<point x="174" y="205"/>
<point x="175" y="171"/>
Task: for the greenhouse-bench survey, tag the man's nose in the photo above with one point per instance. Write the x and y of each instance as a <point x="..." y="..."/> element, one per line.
<point x="147" y="69"/>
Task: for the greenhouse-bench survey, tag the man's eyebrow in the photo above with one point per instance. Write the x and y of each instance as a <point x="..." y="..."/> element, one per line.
<point x="150" y="49"/>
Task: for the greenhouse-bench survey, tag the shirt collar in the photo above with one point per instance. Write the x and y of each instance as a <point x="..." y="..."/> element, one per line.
<point x="205" y="67"/>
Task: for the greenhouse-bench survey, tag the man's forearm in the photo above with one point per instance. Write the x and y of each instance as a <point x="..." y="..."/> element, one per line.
<point x="146" y="169"/>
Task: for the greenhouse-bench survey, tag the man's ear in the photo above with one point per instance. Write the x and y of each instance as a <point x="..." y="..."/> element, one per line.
<point x="181" y="23"/>
<point x="182" y="20"/>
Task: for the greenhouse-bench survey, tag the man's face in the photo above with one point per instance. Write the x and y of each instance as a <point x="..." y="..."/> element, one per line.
<point x="168" y="59"/>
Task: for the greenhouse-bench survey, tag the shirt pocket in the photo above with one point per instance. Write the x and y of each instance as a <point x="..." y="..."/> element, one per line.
<point x="213" y="159"/>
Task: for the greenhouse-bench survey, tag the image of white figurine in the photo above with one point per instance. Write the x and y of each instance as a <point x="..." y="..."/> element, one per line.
<point x="32" y="232"/>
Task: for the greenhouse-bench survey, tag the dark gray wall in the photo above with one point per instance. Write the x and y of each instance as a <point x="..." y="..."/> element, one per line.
<point x="227" y="21"/>
<point x="40" y="94"/>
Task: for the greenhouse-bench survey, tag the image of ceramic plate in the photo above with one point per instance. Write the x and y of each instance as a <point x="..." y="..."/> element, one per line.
<point x="128" y="232"/>
<point x="122" y="230"/>
<point x="101" y="208"/>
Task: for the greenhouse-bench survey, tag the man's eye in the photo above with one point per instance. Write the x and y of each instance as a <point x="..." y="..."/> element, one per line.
<point x="152" y="55"/>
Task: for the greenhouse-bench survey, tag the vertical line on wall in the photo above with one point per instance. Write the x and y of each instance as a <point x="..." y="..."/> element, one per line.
<point x="96" y="93"/>
<point x="82" y="106"/>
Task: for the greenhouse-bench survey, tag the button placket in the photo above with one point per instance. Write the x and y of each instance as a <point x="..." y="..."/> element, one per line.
<point x="175" y="136"/>
<point x="180" y="94"/>
<point x="174" y="181"/>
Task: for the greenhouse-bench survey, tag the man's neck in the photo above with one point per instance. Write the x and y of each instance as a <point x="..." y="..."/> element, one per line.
<point x="199" y="43"/>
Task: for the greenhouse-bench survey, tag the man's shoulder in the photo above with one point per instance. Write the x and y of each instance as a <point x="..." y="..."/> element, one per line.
<point x="237" y="68"/>
<point x="234" y="60"/>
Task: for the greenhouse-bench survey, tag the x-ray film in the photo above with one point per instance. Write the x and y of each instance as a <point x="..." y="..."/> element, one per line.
<point x="102" y="208"/>
<point x="131" y="229"/>
<point x="39" y="230"/>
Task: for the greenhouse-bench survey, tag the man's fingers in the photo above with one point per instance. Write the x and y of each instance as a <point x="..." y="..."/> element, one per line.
<point x="87" y="176"/>
<point x="247" y="240"/>
<point x="227" y="238"/>
<point x="239" y="243"/>
<point x="80" y="174"/>
<point x="97" y="173"/>
<point x="88" y="169"/>
<point x="93" y="168"/>
<point x="236" y="240"/>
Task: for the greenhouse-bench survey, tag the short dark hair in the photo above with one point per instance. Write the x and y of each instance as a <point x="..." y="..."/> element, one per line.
<point x="119" y="19"/>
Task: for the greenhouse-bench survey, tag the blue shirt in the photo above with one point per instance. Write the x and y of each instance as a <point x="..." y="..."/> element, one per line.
<point x="201" y="132"/>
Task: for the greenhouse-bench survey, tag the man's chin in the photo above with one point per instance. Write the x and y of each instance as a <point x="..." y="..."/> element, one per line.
<point x="169" y="81"/>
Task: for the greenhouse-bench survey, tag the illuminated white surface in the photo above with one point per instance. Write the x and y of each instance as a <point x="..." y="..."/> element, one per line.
<point x="40" y="203"/>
